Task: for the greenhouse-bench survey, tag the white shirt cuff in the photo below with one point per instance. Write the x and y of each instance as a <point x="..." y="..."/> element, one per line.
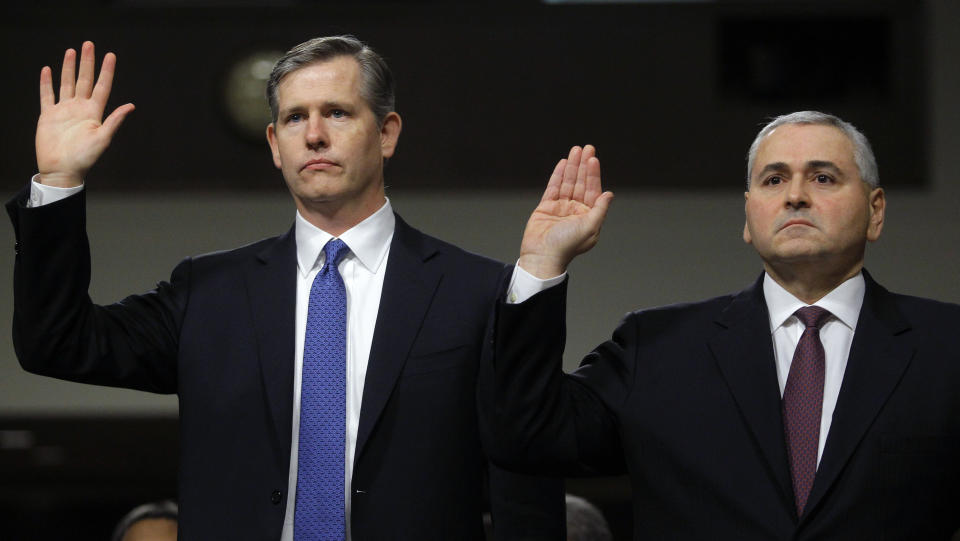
<point x="524" y="285"/>
<point x="41" y="194"/>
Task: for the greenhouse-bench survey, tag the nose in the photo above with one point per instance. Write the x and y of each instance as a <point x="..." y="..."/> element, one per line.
<point x="796" y="194"/>
<point x="316" y="135"/>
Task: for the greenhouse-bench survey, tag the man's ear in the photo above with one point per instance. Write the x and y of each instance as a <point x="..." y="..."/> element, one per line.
<point x="272" y="141"/>
<point x="390" y="134"/>
<point x="878" y="206"/>
<point x="746" y="229"/>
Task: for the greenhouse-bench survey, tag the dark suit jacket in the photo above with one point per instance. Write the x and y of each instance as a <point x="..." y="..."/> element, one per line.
<point x="220" y="334"/>
<point x="685" y="400"/>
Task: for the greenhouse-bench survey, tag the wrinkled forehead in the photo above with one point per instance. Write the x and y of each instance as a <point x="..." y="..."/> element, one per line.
<point x="800" y="144"/>
<point x="339" y="76"/>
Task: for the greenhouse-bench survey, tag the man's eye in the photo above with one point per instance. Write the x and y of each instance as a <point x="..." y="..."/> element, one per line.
<point x="338" y="113"/>
<point x="824" y="179"/>
<point x="774" y="180"/>
<point x="295" y="117"/>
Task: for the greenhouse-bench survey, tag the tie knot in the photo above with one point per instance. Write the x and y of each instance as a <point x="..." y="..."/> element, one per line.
<point x="334" y="250"/>
<point x="812" y="316"/>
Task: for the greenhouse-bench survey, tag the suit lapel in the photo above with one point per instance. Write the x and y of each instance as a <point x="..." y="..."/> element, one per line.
<point x="878" y="358"/>
<point x="408" y="288"/>
<point x="272" y="290"/>
<point x="744" y="352"/>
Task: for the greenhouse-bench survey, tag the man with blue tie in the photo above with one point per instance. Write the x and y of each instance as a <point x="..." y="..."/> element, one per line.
<point x="326" y="377"/>
<point x="814" y="405"/>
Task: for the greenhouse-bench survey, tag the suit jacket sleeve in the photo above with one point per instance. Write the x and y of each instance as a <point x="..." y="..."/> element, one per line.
<point x="59" y="332"/>
<point x="522" y="506"/>
<point x="526" y="506"/>
<point x="539" y="419"/>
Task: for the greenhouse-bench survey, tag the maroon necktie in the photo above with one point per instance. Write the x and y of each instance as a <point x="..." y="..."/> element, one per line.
<point x="803" y="402"/>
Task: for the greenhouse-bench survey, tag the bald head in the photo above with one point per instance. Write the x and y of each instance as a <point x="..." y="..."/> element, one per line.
<point x="152" y="529"/>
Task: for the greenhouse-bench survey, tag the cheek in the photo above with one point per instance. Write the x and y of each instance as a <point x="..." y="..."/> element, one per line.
<point x="851" y="217"/>
<point x="285" y="152"/>
<point x="364" y="140"/>
<point x="758" y="215"/>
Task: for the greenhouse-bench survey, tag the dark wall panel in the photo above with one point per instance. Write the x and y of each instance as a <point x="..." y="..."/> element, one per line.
<point x="493" y="94"/>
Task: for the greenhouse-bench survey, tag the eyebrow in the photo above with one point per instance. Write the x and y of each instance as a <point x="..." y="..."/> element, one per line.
<point x="333" y="104"/>
<point x="778" y="167"/>
<point x="291" y="109"/>
<point x="782" y="167"/>
<point x="824" y="164"/>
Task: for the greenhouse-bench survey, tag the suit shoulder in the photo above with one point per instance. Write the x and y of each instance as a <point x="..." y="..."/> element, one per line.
<point x="706" y="310"/>
<point x="924" y="309"/>
<point x="466" y="279"/>
<point x="454" y="255"/>
<point x="233" y="256"/>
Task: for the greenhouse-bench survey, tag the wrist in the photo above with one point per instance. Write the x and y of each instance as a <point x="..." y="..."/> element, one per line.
<point x="541" y="266"/>
<point x="59" y="180"/>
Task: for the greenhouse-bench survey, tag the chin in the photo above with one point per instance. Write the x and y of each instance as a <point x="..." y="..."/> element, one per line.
<point x="792" y="251"/>
<point x="318" y="192"/>
<point x="801" y="256"/>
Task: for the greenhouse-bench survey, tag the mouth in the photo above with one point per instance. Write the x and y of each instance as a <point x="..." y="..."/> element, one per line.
<point x="796" y="221"/>
<point x="318" y="164"/>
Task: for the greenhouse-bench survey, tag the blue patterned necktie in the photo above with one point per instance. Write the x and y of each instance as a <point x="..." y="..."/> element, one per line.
<point x="319" y="513"/>
<point x="803" y="403"/>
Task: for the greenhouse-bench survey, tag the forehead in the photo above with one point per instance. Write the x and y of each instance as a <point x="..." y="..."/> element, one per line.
<point x="336" y="79"/>
<point x="797" y="144"/>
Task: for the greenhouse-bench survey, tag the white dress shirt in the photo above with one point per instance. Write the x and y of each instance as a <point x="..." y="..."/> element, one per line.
<point x="41" y="194"/>
<point x="362" y="270"/>
<point x="836" y="334"/>
<point x="524" y="285"/>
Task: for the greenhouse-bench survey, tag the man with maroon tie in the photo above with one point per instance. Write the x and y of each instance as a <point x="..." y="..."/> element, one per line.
<point x="814" y="404"/>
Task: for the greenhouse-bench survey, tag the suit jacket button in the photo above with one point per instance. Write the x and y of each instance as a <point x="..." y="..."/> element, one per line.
<point x="276" y="497"/>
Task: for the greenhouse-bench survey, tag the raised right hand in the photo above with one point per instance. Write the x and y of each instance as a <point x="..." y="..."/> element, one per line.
<point x="70" y="133"/>
<point x="567" y="221"/>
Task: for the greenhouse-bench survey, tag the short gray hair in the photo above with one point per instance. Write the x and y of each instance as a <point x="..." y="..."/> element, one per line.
<point x="377" y="87"/>
<point x="862" y="153"/>
<point x="585" y="522"/>
<point x="166" y="509"/>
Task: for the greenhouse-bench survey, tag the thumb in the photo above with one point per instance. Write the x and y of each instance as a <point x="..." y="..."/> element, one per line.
<point x="593" y="221"/>
<point x="599" y="211"/>
<point x="116" y="118"/>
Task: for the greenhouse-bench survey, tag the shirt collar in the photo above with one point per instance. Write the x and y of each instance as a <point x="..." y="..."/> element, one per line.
<point x="843" y="302"/>
<point x="368" y="240"/>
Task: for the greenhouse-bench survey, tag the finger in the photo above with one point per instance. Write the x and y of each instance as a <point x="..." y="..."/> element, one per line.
<point x="603" y="203"/>
<point x="113" y="122"/>
<point x="593" y="185"/>
<point x="553" y="185"/>
<point x="580" y="188"/>
<point x="67" y="74"/>
<point x="85" y="76"/>
<point x="570" y="173"/>
<point x="47" y="97"/>
<point x="101" y="92"/>
<point x="598" y="213"/>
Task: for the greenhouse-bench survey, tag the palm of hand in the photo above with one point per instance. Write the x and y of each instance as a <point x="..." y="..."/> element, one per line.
<point x="68" y="137"/>
<point x="556" y="225"/>
<point x="567" y="221"/>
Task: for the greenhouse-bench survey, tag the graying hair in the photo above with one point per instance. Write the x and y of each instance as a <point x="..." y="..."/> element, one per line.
<point x="862" y="153"/>
<point x="377" y="87"/>
<point x="585" y="522"/>
<point x="163" y="509"/>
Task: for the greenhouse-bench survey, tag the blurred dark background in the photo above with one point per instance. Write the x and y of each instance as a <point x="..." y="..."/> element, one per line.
<point x="491" y="94"/>
<point x="480" y="84"/>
